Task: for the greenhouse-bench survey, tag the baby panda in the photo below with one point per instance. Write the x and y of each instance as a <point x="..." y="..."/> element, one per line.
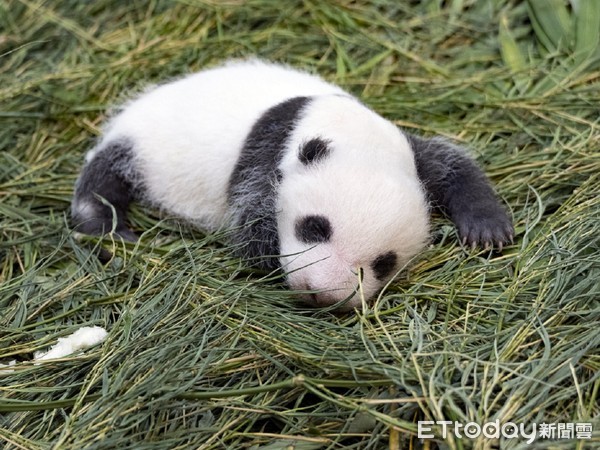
<point x="309" y="179"/>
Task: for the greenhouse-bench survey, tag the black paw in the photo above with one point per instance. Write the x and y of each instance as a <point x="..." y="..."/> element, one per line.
<point x="127" y="234"/>
<point x="485" y="229"/>
<point x="101" y="227"/>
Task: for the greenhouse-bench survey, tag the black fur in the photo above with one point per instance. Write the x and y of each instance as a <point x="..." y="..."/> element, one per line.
<point x="313" y="229"/>
<point x="384" y="265"/>
<point x="104" y="180"/>
<point x="460" y="189"/>
<point x="253" y="183"/>
<point x="313" y="151"/>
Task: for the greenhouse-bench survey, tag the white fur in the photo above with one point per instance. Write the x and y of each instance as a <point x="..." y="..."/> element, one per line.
<point x="367" y="187"/>
<point x="83" y="207"/>
<point x="188" y="135"/>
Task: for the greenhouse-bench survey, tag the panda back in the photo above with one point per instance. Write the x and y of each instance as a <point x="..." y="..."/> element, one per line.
<point x="187" y="134"/>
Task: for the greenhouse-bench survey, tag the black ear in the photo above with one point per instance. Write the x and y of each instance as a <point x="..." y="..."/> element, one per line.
<point x="458" y="187"/>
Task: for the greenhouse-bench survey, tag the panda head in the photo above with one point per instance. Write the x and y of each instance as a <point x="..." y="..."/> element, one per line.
<point x="351" y="211"/>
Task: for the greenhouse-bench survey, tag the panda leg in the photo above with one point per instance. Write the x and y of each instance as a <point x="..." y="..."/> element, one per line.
<point x="103" y="192"/>
<point x="459" y="188"/>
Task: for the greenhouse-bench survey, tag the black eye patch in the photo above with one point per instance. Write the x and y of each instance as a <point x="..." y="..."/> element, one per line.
<point x="313" y="229"/>
<point x="384" y="265"/>
<point x="313" y="151"/>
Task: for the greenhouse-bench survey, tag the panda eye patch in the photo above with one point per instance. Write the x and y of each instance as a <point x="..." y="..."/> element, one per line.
<point x="313" y="229"/>
<point x="313" y="151"/>
<point x="384" y="264"/>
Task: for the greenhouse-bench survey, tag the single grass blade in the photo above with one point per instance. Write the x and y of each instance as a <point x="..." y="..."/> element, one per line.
<point x="512" y="55"/>
<point x="587" y="30"/>
<point x="552" y="23"/>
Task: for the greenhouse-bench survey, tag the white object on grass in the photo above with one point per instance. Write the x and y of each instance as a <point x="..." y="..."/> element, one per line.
<point x="83" y="338"/>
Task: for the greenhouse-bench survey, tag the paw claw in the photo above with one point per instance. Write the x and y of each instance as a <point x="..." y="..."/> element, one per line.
<point x="489" y="236"/>
<point x="491" y="230"/>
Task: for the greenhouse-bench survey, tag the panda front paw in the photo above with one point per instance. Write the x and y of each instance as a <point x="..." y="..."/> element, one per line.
<point x="486" y="229"/>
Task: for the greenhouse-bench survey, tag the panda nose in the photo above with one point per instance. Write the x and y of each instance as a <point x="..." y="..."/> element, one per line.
<point x="316" y="298"/>
<point x="320" y="299"/>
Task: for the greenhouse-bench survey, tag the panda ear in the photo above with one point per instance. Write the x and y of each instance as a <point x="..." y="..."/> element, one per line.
<point x="458" y="187"/>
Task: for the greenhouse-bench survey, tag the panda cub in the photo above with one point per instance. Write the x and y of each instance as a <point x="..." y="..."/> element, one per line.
<point x="309" y="179"/>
